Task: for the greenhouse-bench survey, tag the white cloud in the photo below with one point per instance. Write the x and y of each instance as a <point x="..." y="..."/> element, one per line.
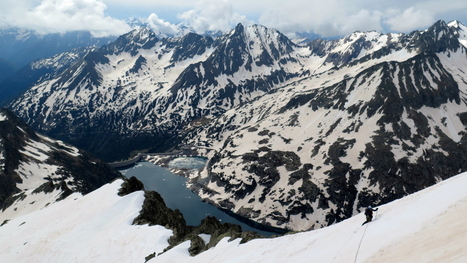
<point x="213" y="15"/>
<point x="409" y="19"/>
<point x="340" y="17"/>
<point x="152" y="3"/>
<point x="50" y="16"/>
<point x="328" y="18"/>
<point x="160" y="26"/>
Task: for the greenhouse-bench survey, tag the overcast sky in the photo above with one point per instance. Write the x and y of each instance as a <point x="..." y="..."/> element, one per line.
<point x="328" y="18"/>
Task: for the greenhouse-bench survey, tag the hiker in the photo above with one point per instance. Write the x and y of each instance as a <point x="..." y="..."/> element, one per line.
<point x="369" y="214"/>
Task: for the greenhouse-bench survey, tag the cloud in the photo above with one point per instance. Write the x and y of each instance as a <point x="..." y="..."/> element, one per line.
<point x="152" y="3"/>
<point x="409" y="19"/>
<point x="213" y="15"/>
<point x="52" y="16"/>
<point x="341" y="17"/>
<point x="327" y="18"/>
<point x="160" y="26"/>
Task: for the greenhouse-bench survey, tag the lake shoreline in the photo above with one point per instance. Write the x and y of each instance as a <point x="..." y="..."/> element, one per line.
<point x="163" y="162"/>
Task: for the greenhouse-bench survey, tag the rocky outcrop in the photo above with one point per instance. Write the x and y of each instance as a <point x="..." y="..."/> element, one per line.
<point x="130" y="185"/>
<point x="155" y="212"/>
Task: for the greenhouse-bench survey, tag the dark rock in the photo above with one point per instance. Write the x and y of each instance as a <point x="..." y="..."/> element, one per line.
<point x="65" y="190"/>
<point x="46" y="187"/>
<point x="155" y="212"/>
<point x="130" y="185"/>
<point x="139" y="63"/>
<point x="197" y="245"/>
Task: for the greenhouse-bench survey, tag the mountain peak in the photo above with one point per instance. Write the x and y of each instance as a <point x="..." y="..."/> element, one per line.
<point x="142" y="37"/>
<point x="441" y="37"/>
<point x="239" y="27"/>
<point x="455" y="24"/>
<point x="440" y="23"/>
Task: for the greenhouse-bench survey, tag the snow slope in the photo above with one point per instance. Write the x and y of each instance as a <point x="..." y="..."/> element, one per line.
<point x="428" y="226"/>
<point x="91" y="228"/>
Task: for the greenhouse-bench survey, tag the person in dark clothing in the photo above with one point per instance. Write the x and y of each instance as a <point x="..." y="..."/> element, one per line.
<point x="369" y="214"/>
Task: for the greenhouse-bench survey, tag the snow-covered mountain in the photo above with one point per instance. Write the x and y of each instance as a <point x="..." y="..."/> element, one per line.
<point x="35" y="169"/>
<point x="388" y="119"/>
<point x="298" y="136"/>
<point x="428" y="226"/>
<point x="142" y="91"/>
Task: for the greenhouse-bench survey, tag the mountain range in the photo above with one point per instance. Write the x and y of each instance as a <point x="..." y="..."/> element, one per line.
<point x="297" y="136"/>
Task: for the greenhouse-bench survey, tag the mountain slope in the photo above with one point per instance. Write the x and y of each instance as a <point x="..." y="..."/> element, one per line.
<point x="94" y="227"/>
<point x="424" y="227"/>
<point x="38" y="71"/>
<point x="35" y="168"/>
<point x="6" y="69"/>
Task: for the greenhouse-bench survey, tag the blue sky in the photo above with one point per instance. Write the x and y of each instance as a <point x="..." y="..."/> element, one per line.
<point x="328" y="18"/>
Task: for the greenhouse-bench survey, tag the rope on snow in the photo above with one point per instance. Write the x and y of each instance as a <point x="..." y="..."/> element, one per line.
<point x="358" y="249"/>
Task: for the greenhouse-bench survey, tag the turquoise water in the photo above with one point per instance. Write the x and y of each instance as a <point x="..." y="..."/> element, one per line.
<point x="176" y="196"/>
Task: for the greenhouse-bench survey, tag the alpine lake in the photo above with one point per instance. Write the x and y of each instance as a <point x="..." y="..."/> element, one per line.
<point x="176" y="195"/>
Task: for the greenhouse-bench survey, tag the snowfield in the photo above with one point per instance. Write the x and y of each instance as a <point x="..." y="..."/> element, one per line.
<point x="428" y="226"/>
<point x="92" y="228"/>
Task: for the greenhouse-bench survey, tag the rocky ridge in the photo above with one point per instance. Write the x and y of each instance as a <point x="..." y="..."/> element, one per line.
<point x="155" y="212"/>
